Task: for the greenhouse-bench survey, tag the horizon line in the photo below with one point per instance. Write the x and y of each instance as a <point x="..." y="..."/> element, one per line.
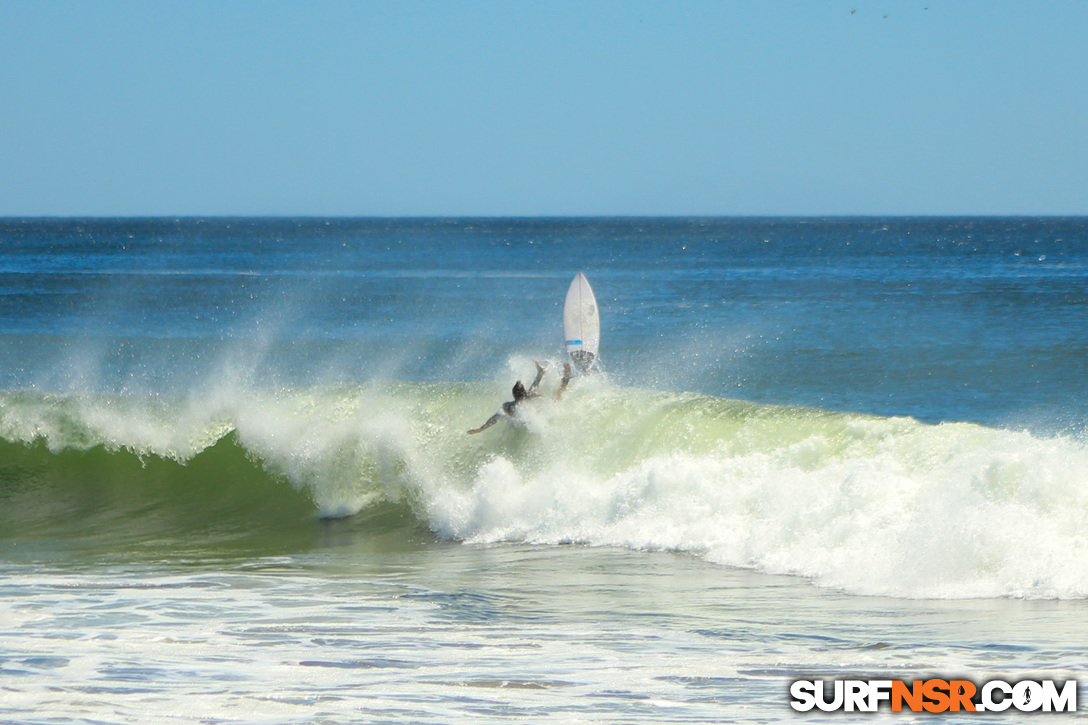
<point x="520" y="217"/>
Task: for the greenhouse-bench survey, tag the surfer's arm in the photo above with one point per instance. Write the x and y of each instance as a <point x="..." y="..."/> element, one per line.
<point x="490" y="422"/>
<point x="564" y="381"/>
<point x="539" y="376"/>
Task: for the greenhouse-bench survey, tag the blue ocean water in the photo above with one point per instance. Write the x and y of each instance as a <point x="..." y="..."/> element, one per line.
<point x="940" y="319"/>
<point x="235" y="483"/>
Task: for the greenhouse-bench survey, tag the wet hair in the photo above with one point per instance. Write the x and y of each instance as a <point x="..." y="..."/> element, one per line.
<point x="519" y="391"/>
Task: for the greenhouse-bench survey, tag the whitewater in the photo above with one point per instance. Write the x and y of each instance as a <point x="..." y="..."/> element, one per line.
<point x="868" y="505"/>
<point x="236" y="483"/>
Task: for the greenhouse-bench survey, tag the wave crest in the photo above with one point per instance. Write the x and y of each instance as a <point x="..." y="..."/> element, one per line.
<point x="883" y="506"/>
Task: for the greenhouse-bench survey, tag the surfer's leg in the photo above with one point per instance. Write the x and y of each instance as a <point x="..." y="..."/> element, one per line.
<point x="539" y="375"/>
<point x="490" y="422"/>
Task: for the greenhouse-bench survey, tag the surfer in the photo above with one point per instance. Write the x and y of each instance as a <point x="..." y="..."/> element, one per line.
<point x="520" y="393"/>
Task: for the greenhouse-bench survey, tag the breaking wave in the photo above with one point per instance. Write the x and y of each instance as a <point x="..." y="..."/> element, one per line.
<point x="869" y="505"/>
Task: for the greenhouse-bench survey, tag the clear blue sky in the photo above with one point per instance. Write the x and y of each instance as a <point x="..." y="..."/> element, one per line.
<point x="543" y="108"/>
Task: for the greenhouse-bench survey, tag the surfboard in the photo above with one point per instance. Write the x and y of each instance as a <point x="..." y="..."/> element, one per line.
<point x="581" y="323"/>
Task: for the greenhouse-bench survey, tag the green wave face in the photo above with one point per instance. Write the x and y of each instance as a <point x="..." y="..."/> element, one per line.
<point x="120" y="502"/>
<point x="870" y="505"/>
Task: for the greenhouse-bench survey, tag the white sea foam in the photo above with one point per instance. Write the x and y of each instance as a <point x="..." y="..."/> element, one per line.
<point x="868" y="505"/>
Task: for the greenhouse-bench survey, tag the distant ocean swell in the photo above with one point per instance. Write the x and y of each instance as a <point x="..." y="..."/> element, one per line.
<point x="880" y="506"/>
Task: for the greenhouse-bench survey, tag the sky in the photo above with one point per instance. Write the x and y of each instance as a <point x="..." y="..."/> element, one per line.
<point x="507" y="108"/>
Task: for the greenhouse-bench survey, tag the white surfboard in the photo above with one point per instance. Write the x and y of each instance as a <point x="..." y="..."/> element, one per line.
<point x="581" y="324"/>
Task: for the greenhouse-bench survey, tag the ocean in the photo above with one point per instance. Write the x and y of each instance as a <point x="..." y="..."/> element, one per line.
<point x="236" y="485"/>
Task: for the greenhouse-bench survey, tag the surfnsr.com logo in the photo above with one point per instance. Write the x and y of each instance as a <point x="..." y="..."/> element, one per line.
<point x="934" y="695"/>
